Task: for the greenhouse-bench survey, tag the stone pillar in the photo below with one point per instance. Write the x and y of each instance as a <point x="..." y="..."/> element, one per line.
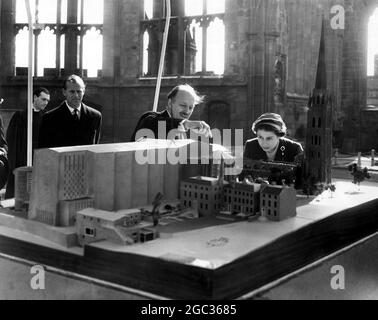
<point x="129" y="41"/>
<point x="267" y="42"/>
<point x="71" y="45"/>
<point x="111" y="36"/>
<point x="354" y="80"/>
<point x="7" y="21"/>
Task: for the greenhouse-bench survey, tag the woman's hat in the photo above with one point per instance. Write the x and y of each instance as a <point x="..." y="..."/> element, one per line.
<point x="271" y="119"/>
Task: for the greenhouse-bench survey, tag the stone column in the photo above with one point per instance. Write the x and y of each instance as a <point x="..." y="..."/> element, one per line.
<point x="266" y="36"/>
<point x="71" y="45"/>
<point x="354" y="71"/>
<point x="7" y="21"/>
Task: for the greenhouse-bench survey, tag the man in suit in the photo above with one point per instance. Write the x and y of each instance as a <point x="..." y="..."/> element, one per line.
<point x="4" y="166"/>
<point x="17" y="135"/>
<point x="73" y="123"/>
<point x="174" y="120"/>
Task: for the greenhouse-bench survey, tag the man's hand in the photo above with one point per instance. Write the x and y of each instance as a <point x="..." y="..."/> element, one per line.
<point x="199" y="127"/>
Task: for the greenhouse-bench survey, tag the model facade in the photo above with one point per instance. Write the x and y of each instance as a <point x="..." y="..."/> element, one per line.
<point x="278" y="202"/>
<point x="242" y="198"/>
<point x="106" y="177"/>
<point x="122" y="227"/>
<point x="23" y="181"/>
<point x="203" y="192"/>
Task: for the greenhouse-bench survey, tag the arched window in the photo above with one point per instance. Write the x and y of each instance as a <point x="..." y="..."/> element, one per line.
<point x="196" y="43"/>
<point x="373" y="45"/>
<point x="67" y="34"/>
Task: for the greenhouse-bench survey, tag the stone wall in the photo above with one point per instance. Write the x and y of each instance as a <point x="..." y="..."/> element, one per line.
<point x="257" y="32"/>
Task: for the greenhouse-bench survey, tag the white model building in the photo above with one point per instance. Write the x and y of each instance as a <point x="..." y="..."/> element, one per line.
<point x="122" y="227"/>
<point x="109" y="174"/>
<point x="23" y="179"/>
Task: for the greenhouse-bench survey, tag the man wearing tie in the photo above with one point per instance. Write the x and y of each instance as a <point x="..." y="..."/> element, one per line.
<point x="73" y="123"/>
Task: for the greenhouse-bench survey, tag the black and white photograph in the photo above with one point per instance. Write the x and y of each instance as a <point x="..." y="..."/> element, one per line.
<point x="172" y="151"/>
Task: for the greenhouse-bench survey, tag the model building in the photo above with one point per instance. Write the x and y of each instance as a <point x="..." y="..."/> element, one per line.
<point x="23" y="178"/>
<point x="106" y="177"/>
<point x="319" y="124"/>
<point x="122" y="227"/>
<point x="206" y="191"/>
<point x="277" y="202"/>
<point x="242" y="198"/>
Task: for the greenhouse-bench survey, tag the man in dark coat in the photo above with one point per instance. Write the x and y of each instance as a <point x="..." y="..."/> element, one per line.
<point x="174" y="119"/>
<point x="4" y="167"/>
<point x="17" y="135"/>
<point x="73" y="123"/>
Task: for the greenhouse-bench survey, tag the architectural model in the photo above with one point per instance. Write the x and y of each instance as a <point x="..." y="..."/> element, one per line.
<point x="122" y="227"/>
<point x="206" y="192"/>
<point x="100" y="192"/>
<point x="278" y="202"/>
<point x="319" y="124"/>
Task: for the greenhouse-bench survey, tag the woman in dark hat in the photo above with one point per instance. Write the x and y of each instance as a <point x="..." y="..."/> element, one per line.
<point x="270" y="144"/>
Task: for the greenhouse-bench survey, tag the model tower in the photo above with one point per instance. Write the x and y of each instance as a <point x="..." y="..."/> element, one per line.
<point x="319" y="123"/>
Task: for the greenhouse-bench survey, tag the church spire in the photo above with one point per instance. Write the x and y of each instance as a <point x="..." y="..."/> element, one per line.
<point x="321" y="73"/>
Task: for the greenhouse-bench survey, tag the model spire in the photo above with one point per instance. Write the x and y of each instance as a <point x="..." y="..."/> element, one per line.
<point x="321" y="73"/>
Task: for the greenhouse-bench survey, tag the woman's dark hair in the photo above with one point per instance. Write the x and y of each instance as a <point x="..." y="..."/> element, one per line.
<point x="269" y="127"/>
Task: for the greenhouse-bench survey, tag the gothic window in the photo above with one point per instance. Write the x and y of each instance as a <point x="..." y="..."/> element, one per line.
<point x="372" y="47"/>
<point x="67" y="37"/>
<point x="196" y="42"/>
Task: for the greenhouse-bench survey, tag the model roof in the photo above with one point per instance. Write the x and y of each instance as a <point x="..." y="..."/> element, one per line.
<point x="274" y="190"/>
<point x="107" y="215"/>
<point x="244" y="186"/>
<point x="207" y="181"/>
<point x="218" y="151"/>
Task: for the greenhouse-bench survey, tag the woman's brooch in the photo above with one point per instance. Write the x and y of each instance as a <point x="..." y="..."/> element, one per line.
<point x="282" y="150"/>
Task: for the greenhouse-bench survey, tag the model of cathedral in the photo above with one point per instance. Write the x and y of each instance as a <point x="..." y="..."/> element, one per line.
<point x="319" y="124"/>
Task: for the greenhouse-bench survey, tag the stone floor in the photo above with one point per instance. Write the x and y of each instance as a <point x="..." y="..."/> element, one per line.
<point x="16" y="284"/>
<point x="360" y="266"/>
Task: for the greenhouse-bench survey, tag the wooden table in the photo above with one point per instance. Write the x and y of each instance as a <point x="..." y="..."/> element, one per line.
<point x="212" y="258"/>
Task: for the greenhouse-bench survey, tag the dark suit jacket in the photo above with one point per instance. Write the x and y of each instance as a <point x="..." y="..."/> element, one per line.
<point x="4" y="167"/>
<point x="150" y="120"/>
<point x="288" y="151"/>
<point x="17" y="143"/>
<point x="59" y="128"/>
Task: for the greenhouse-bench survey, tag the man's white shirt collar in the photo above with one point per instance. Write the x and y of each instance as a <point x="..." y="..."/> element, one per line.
<point x="72" y="109"/>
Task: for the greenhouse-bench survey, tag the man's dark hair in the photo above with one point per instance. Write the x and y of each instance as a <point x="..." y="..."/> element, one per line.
<point x="37" y="91"/>
<point x="73" y="78"/>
